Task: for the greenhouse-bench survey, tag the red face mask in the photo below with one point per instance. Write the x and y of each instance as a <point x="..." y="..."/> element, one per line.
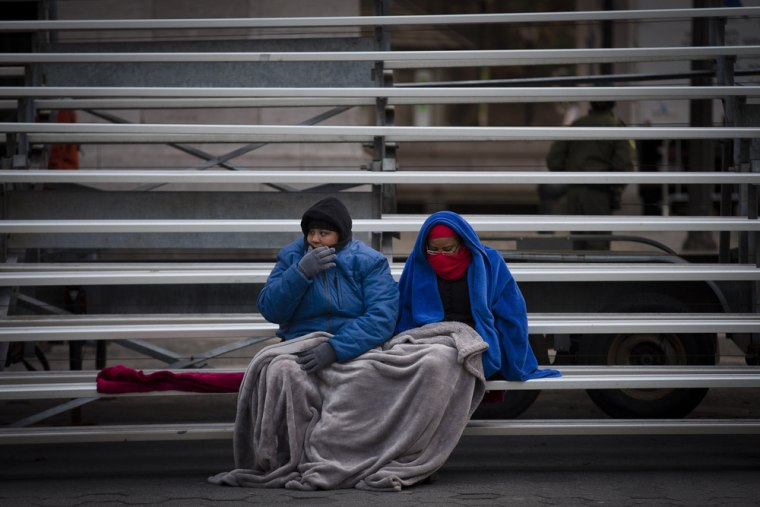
<point x="451" y="266"/>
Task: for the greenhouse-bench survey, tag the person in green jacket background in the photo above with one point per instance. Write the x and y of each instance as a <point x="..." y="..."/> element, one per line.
<point x="596" y="155"/>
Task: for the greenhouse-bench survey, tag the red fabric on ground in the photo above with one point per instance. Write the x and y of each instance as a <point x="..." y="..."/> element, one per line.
<point x="121" y="379"/>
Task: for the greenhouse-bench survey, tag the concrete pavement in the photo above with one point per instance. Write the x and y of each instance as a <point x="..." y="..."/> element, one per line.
<point x="483" y="471"/>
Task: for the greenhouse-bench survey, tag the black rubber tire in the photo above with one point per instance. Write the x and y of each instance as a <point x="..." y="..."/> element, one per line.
<point x="661" y="349"/>
<point x="515" y="402"/>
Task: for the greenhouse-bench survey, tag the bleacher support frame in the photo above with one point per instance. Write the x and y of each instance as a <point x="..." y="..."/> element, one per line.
<point x="383" y="137"/>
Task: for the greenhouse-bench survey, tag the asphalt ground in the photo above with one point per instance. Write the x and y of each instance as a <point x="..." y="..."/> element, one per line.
<point x="482" y="471"/>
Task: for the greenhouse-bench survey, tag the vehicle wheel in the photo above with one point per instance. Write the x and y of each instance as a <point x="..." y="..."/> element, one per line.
<point x="648" y="350"/>
<point x="515" y="402"/>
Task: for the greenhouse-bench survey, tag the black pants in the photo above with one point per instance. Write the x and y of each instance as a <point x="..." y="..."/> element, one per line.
<point x="589" y="200"/>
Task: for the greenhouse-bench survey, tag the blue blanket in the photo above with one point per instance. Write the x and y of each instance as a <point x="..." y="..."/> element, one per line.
<point x="497" y="304"/>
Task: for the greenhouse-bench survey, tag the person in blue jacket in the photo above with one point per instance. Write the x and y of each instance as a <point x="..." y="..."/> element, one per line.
<point x="451" y="276"/>
<point x="328" y="281"/>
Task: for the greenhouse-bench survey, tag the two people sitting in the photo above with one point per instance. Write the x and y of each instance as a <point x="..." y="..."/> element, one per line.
<point x="390" y="418"/>
<point x="328" y="281"/>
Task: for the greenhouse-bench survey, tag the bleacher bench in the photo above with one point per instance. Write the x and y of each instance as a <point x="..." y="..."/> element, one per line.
<point x="31" y="231"/>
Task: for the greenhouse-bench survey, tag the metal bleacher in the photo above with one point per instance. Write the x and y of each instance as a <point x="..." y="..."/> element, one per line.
<point x="58" y="211"/>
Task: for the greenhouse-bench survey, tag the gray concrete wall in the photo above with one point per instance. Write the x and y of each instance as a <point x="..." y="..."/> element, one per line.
<point x="290" y="156"/>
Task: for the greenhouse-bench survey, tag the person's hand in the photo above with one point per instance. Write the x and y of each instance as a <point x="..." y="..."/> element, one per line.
<point x="316" y="260"/>
<point x="317" y="358"/>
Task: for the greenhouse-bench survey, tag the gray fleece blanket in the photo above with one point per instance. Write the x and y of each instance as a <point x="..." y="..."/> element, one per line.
<point x="385" y="420"/>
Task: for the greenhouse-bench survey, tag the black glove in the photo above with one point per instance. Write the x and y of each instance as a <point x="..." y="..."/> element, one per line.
<point x="317" y="358"/>
<point x="316" y="260"/>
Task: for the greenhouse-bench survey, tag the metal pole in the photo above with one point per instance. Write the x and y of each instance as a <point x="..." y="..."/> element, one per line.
<point x="701" y="153"/>
<point x="382" y="43"/>
<point x="725" y="77"/>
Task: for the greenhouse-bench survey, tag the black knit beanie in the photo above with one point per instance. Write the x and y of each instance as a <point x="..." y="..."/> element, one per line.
<point x="329" y="214"/>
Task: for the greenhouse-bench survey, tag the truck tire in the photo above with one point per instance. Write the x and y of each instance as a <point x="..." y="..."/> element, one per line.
<point x="515" y="402"/>
<point x="667" y="349"/>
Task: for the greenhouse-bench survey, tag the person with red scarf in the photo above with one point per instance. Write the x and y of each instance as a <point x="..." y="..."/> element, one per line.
<point x="450" y="259"/>
<point x="451" y="276"/>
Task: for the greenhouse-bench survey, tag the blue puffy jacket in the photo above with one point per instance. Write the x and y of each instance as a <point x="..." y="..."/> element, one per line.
<point x="357" y="301"/>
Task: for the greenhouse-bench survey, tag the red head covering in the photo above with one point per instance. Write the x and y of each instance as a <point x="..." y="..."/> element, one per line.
<point x="441" y="231"/>
<point x="449" y="266"/>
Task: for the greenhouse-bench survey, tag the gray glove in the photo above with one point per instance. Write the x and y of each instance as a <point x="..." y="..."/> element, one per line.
<point x="316" y="260"/>
<point x="317" y="358"/>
